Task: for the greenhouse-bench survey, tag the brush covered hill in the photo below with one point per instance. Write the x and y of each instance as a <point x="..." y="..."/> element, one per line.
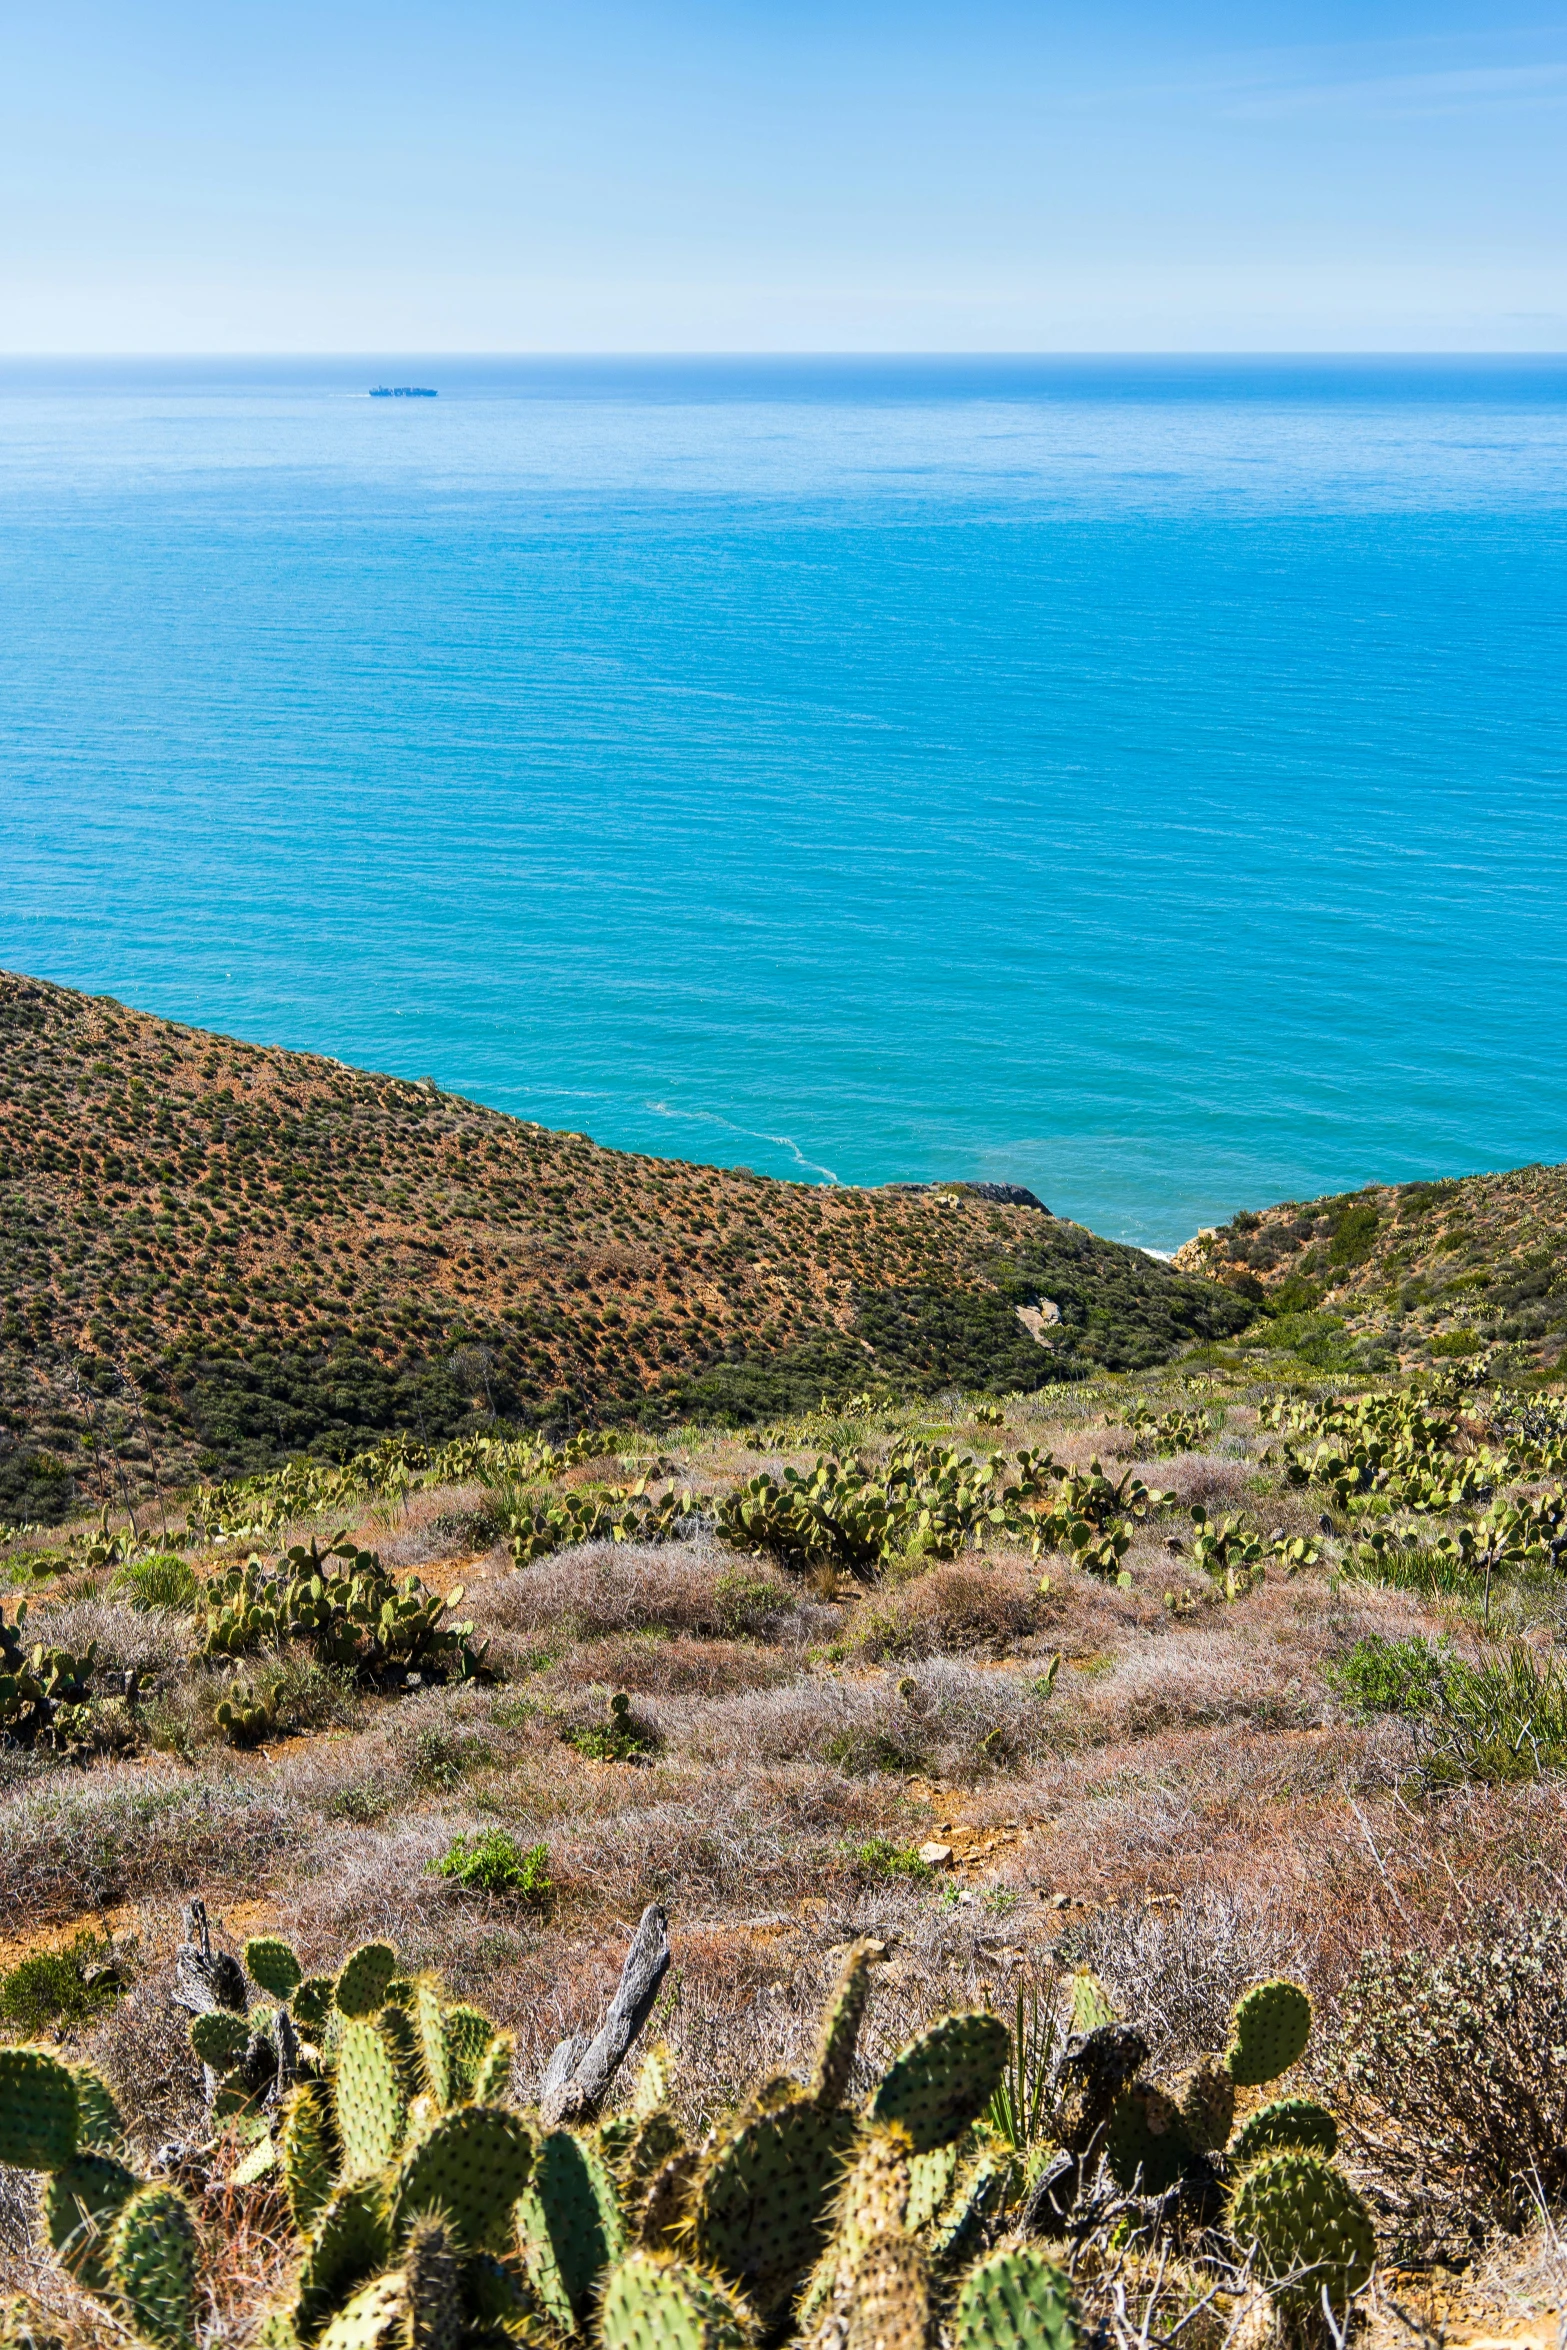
<point x="1415" y="1272"/>
<point x="214" y="1255"/>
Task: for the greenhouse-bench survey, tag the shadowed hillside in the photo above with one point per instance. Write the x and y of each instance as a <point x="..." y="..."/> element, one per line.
<point x="214" y="1254"/>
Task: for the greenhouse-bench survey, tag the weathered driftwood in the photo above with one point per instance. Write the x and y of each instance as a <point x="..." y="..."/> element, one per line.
<point x="577" y="2078"/>
<point x="205" y="1978"/>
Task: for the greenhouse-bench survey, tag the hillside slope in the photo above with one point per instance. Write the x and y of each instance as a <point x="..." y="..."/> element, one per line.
<point x="213" y="1254"/>
<point x="1426" y="1270"/>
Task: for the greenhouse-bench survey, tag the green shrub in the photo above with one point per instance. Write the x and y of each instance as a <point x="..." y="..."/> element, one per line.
<point x="1354" y="1235"/>
<point x="54" y="1987"/>
<point x="1390" y="1676"/>
<point x="1456" y="1342"/>
<point x="878" y="1857"/>
<point x="496" y="1863"/>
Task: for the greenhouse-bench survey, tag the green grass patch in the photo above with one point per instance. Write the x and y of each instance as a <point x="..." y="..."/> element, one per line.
<point x="496" y="1863"/>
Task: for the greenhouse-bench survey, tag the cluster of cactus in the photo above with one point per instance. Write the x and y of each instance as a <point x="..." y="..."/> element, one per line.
<point x="841" y="1517"/>
<point x="1380" y="1452"/>
<point x="343" y="1605"/>
<point x="623" y="1513"/>
<point x="244" y="1715"/>
<point x="129" y="2241"/>
<point x="1272" y="2179"/>
<point x="1091" y="1519"/>
<point x="45" y="1693"/>
<point x="1163" y="1434"/>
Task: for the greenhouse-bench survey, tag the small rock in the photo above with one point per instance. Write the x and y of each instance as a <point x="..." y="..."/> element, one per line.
<point x="1060" y="1900"/>
<point x="936" y="1856"/>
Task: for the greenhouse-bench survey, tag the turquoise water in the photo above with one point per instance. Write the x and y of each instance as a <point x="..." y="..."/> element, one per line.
<point x="1140" y="781"/>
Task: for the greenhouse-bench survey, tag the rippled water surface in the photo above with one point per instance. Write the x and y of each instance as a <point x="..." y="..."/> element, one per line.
<point x="1144" y="782"/>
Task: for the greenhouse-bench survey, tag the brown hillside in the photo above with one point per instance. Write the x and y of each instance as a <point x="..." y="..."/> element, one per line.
<point x="213" y="1254"/>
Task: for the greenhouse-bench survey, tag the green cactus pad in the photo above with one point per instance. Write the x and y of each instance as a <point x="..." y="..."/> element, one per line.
<point x="352" y="2241"/>
<point x="1268" y="2033"/>
<point x="1205" y="2094"/>
<point x="362" y="1979"/>
<point x="219" y="2038"/>
<point x="840" y="2027"/>
<point x="886" y="2294"/>
<point x="399" y="2028"/>
<point x="38" y="2110"/>
<point x="312" y="2004"/>
<point x="1015" y="2300"/>
<point x="428" y="2025"/>
<point x="152" y="2265"/>
<point x="1146" y="2145"/>
<point x="373" y="2318"/>
<point x="667" y="2201"/>
<point x="468" y="2035"/>
<point x="372" y="2105"/>
<point x="569" y="2226"/>
<point x="432" y="2282"/>
<point x="1289" y="2121"/>
<point x="99" y="2128"/>
<point x="931" y="2180"/>
<point x="944" y="2079"/>
<point x="654" y="2302"/>
<point x="655" y="2138"/>
<point x="472" y="2165"/>
<point x="1310" y="2229"/>
<point x="271" y="1963"/>
<point x="492" y="2081"/>
<point x="308" y="2144"/>
<point x="81" y="2202"/>
<point x="958" y="2228"/>
<point x="653" y="2079"/>
<point x="761" y="2199"/>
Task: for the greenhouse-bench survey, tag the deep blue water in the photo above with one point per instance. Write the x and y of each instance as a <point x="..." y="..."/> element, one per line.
<point x="1144" y="781"/>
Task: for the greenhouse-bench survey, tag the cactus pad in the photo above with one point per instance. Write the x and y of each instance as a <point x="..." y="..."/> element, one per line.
<point x="431" y="2280"/>
<point x="80" y="2203"/>
<point x="653" y="2302"/>
<point x="1268" y="2032"/>
<point x="887" y="2294"/>
<point x="220" y="2038"/>
<point x="471" y="2165"/>
<point x="944" y="2079"/>
<point x="1146" y="2145"/>
<point x="1311" y="2230"/>
<point x="352" y="2241"/>
<point x="152" y="2265"/>
<point x="362" y="1979"/>
<point x="371" y="2103"/>
<point x="1015" y="2300"/>
<point x="38" y="2110"/>
<point x="760" y="2200"/>
<point x="840" y="2027"/>
<point x="309" y="2151"/>
<point x="931" y="2180"/>
<point x="373" y="2318"/>
<point x="467" y="2035"/>
<point x="1205" y="2094"/>
<point x="569" y="2226"/>
<point x="271" y="1963"/>
<point x="312" y="2004"/>
<point x="492" y="2081"/>
<point x="957" y="2229"/>
<point x="653" y="2075"/>
<point x="98" y="2124"/>
<point x="1288" y="2121"/>
<point x="428" y="2027"/>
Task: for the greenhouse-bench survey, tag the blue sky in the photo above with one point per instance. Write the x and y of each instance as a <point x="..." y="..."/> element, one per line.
<point x="872" y="175"/>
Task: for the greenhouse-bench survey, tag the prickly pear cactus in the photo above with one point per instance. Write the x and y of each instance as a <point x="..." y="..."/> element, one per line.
<point x="310" y="2153"/>
<point x="761" y="2197"/>
<point x="1205" y="2096"/>
<point x="1147" y="2144"/>
<point x="1310" y="2229"/>
<point x="653" y="2301"/>
<point x="81" y="2202"/>
<point x="1015" y="2300"/>
<point x="98" y="2125"/>
<point x="492" y="2080"/>
<point x="272" y="1965"/>
<point x="886" y="2294"/>
<point x="220" y="2038"/>
<point x="471" y="2166"/>
<point x="1288" y="2121"/>
<point x="372" y="2103"/>
<point x="352" y="2243"/>
<point x="152" y="2265"/>
<point x="363" y="1979"/>
<point x="1268" y="2032"/>
<point x="38" y="2110"/>
<point x="467" y="2036"/>
<point x="944" y="2079"/>
<point x="569" y="2226"/>
<point x="840" y="2027"/>
<point x="21" y="2328"/>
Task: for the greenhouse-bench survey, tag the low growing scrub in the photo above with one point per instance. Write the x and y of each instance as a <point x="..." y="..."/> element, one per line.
<point x="495" y="1862"/>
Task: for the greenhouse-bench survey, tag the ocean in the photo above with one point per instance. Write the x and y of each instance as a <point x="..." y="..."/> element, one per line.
<point x="1141" y="780"/>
